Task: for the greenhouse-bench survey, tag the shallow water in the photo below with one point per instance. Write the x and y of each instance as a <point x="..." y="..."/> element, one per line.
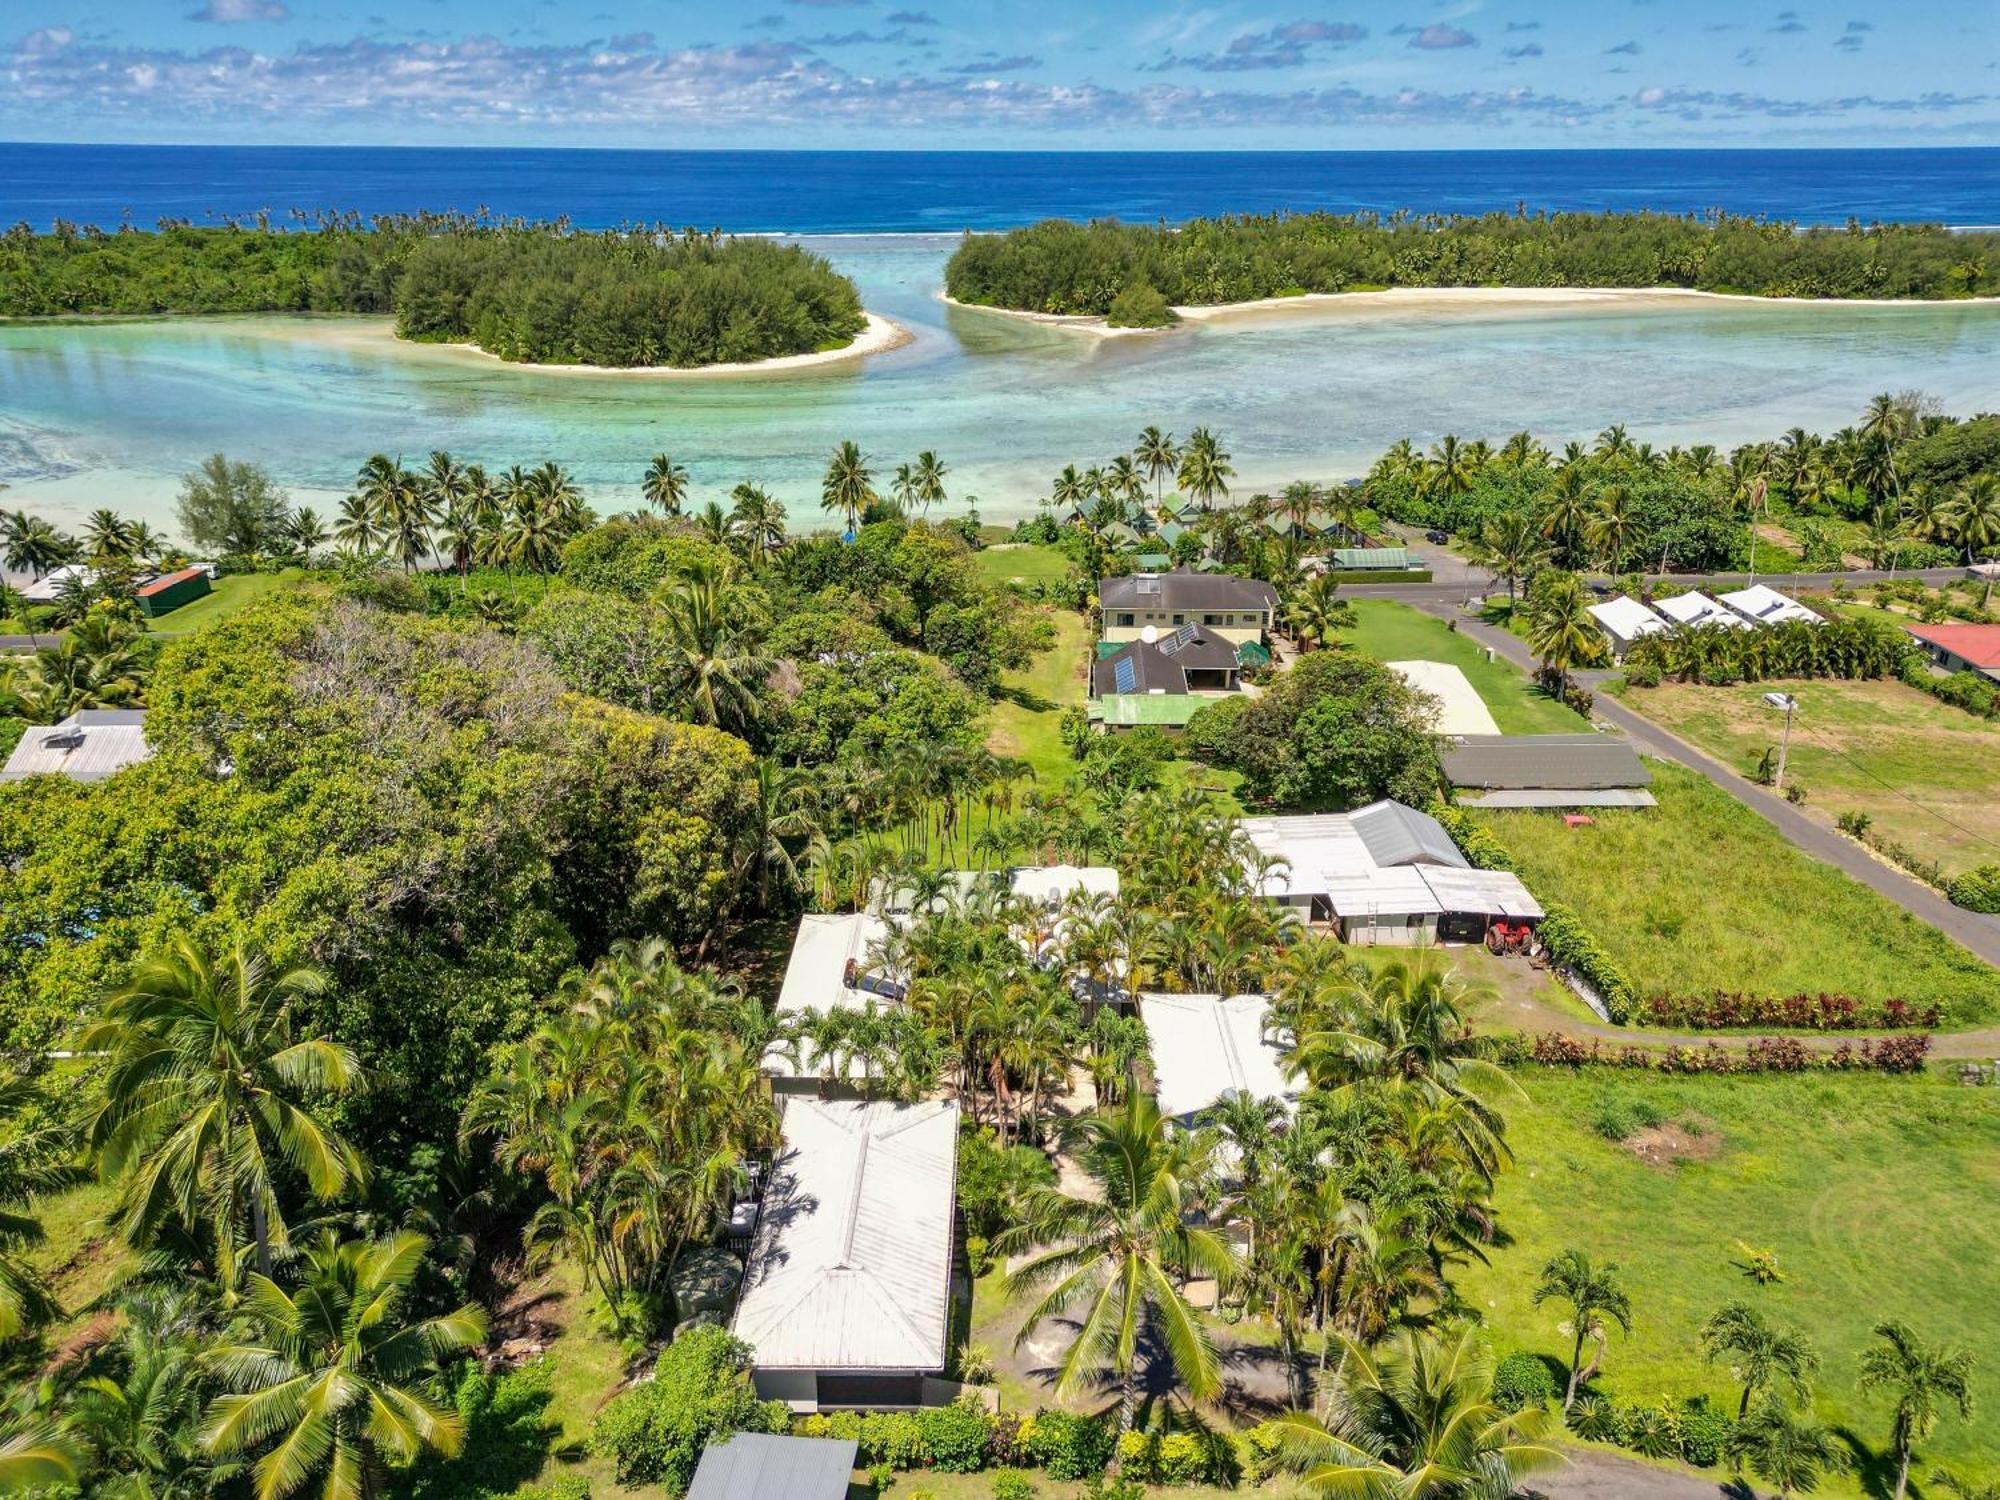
<point x="112" y="414"/>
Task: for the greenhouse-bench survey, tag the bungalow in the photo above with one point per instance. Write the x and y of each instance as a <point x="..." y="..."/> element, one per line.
<point x="1370" y="559"/>
<point x="1384" y="875"/>
<point x="759" y="1465"/>
<point x="1625" y="620"/>
<point x="1546" y="770"/>
<point x="836" y="964"/>
<point x="87" y="746"/>
<point x="49" y="587"/>
<point x="1191" y="659"/>
<point x="1961" y="648"/>
<point x="1236" y="609"/>
<point x="1207" y="1048"/>
<point x="1695" y="609"/>
<point x="847" y="1289"/>
<point x="1762" y="605"/>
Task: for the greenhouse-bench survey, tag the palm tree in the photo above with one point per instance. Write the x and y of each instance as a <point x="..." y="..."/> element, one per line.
<point x="665" y="485"/>
<point x="1614" y="526"/>
<point x="355" y="530"/>
<point x="1758" y="1352"/>
<point x="1922" y="1379"/>
<point x="33" y="546"/>
<point x="1785" y="1449"/>
<point x="445" y="482"/>
<point x="1416" y="1421"/>
<point x="1452" y="468"/>
<point x="1205" y="470"/>
<point x="1314" y="613"/>
<point x="34" y="1455"/>
<point x="1561" y="629"/>
<point x="14" y="606"/>
<point x="334" y="1380"/>
<point x="927" y="482"/>
<point x="1158" y="457"/>
<point x="139" y="1407"/>
<point x="37" y="1158"/>
<point x="713" y="641"/>
<point x="532" y="534"/>
<point x="107" y="535"/>
<point x="305" y="531"/>
<point x="100" y="663"/>
<point x="1594" y="1298"/>
<point x="849" y="487"/>
<point x="1974" y="521"/>
<point x="1112" y="1257"/>
<point x="1511" y="548"/>
<point x="202" y="1093"/>
<point x="757" y="520"/>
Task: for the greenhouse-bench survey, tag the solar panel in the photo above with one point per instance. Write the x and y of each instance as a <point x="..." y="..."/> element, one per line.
<point x="1123" y="676"/>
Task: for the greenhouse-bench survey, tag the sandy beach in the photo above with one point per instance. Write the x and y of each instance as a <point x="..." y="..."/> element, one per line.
<point x="1417" y="301"/>
<point x="378" y="336"/>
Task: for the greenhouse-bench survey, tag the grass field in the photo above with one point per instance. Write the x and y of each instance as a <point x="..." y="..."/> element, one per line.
<point x="1389" y="631"/>
<point x="230" y="594"/>
<point x="1027" y="561"/>
<point x="1026" y="720"/>
<point x="1701" y="894"/>
<point x="1927" y="774"/>
<point x="1874" y="1192"/>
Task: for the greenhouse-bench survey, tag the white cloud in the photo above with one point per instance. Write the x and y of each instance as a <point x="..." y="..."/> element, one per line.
<point x="231" y="11"/>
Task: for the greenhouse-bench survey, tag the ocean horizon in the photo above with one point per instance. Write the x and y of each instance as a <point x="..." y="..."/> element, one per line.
<point x="846" y="193"/>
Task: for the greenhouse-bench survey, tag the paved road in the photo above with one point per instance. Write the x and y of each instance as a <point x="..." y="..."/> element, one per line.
<point x="1591" y="1475"/>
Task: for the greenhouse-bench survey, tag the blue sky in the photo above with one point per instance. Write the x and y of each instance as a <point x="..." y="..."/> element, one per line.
<point x="1014" y="73"/>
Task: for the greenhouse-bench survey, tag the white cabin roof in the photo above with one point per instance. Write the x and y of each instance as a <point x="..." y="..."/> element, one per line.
<point x="1763" y="605"/>
<point x="1626" y="619"/>
<point x="1206" y="1047"/>
<point x="1697" y="609"/>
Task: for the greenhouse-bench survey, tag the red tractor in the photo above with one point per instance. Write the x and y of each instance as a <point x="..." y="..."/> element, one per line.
<point x="1509" y="938"/>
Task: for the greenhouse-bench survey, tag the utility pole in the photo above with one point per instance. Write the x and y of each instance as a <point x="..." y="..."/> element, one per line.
<point x="1758" y="491"/>
<point x="1789" y="704"/>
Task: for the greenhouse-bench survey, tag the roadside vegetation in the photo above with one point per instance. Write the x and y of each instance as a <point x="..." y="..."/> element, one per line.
<point x="1106" y="267"/>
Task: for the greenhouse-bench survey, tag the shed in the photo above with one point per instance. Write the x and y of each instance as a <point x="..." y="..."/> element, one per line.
<point x="87" y="746"/>
<point x="1372" y="559"/>
<point x="1207" y="1048"/>
<point x="1626" y="620"/>
<point x="170" y="591"/>
<point x="1547" y="770"/>
<point x="767" y="1465"/>
<point x="847" y="1290"/>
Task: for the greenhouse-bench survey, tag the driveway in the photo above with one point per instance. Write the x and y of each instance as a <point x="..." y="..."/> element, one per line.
<point x="1591" y="1475"/>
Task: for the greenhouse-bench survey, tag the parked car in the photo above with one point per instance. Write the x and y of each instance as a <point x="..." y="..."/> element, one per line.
<point x="1435" y="537"/>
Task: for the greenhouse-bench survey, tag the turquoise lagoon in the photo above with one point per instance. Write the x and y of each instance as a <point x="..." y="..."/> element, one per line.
<point x="113" y="413"/>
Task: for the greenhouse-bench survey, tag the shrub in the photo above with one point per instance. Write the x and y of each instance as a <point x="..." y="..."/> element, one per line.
<point x="1653" y="1431"/>
<point x="1821" y="1012"/>
<point x="1012" y="1484"/>
<point x="1855" y="823"/>
<point x="1889" y="1054"/>
<point x="1570" y="944"/>
<point x="1174" y="1458"/>
<point x="1522" y="1380"/>
<point x="1139" y="306"/>
<point x="1594" y="1419"/>
<point x="1257" y="1452"/>
<point x="954" y="1437"/>
<point x="1620" y="1119"/>
<point x="1067" y="1445"/>
<point x="1978" y="890"/>
<point x="1642" y="674"/>
<point x="700" y="1392"/>
<point x="1704" y="1432"/>
<point x="1480" y="846"/>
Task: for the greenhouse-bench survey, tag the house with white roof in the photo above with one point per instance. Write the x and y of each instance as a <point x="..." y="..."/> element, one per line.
<point x="1698" y="609"/>
<point x="1207" y="1048"/>
<point x="836" y="964"/>
<point x="1626" y="620"/>
<point x="1052" y="885"/>
<point x="1385" y="875"/>
<point x="847" y="1293"/>
<point x="1762" y="605"/>
<point x="49" y="587"/>
<point x="87" y="746"/>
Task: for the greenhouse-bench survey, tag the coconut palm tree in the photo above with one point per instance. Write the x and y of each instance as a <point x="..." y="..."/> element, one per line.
<point x="1158" y="457"/>
<point x="14" y="606"/>
<point x="34" y="1455"/>
<point x="1615" y="525"/>
<point x="716" y="665"/>
<point x="1922" y="1379"/>
<point x="355" y="530"/>
<point x="305" y="531"/>
<point x="107" y="535"/>
<point x="665" y="485"/>
<point x="1451" y="469"/>
<point x="1205" y="471"/>
<point x="33" y="546"/>
<point x="1759" y="1354"/>
<point x="1973" y="521"/>
<point x="928" y="480"/>
<point x="1594" y="1298"/>
<point x="1510" y="547"/>
<point x="206" y="1089"/>
<point x="849" y="486"/>
<point x="1112" y="1257"/>
<point x="329" y="1380"/>
<point x="757" y="520"/>
<point x="532" y="535"/>
<point x="444" y="482"/>
<point x="1784" y="1448"/>
<point x="1561" y="629"/>
<point x="1416" y="1421"/>
<point x="1567" y="514"/>
<point x="138" y="1408"/>
<point x="100" y="663"/>
<point x="1314" y="613"/>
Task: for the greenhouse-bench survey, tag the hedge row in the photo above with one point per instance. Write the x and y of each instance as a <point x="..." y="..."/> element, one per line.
<point x="1778" y="1054"/>
<point x="1820" y="1012"/>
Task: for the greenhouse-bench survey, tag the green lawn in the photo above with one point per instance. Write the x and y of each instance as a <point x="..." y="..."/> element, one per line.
<point x="1925" y="772"/>
<point x="1028" y="561"/>
<point x="1702" y="894"/>
<point x="230" y="594"/>
<point x="1876" y="1194"/>
<point x="1026" y="719"/>
<point x="1389" y="631"/>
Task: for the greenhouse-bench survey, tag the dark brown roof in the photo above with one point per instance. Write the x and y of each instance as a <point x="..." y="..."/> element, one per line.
<point x="1572" y="762"/>
<point x="1163" y="665"/>
<point x="1184" y="589"/>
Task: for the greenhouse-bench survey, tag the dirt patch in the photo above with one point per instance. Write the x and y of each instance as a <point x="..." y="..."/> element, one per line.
<point x="1669" y="1144"/>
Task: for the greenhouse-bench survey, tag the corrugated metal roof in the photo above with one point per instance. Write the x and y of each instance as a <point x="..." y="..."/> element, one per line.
<point x="1160" y="710"/>
<point x="1184" y="589"/>
<point x="166" y="581"/>
<point x="1401" y="891"/>
<point x="816" y="978"/>
<point x="1764" y="605"/>
<point x="87" y="746"/>
<point x="1399" y="835"/>
<point x="769" y="1466"/>
<point x="1978" y="644"/>
<point x="1551" y="797"/>
<point x="1370" y="557"/>
<point x="1541" y="761"/>
<point x="1493" y="893"/>
<point x="851" y="1265"/>
<point x="1206" y="1048"/>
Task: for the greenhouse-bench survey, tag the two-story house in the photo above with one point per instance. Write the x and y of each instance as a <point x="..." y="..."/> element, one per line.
<point x="1237" y="609"/>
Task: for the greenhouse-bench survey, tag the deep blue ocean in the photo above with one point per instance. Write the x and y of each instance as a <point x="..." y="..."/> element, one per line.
<point x="856" y="192"/>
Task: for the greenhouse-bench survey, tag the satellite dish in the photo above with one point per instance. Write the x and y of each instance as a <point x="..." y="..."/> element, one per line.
<point x="1149" y="634"/>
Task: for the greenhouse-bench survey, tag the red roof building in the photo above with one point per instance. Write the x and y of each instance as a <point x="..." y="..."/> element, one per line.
<point x="1961" y="648"/>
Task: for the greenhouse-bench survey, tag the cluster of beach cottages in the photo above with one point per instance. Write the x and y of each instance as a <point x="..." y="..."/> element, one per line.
<point x="1625" y="620"/>
<point x="847" y="1240"/>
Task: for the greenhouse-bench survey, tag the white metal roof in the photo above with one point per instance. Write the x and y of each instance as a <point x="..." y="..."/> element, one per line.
<point x="851" y="1263"/>
<point x="87" y="746"/>
<point x="48" y="588"/>
<point x="1205" y="1047"/>
<point x="1052" y="884"/>
<point x="1399" y="891"/>
<point x="1697" y="609"/>
<point x="1764" y="605"/>
<point x="1552" y="797"/>
<point x="1460" y="708"/>
<point x="816" y="978"/>
<point x="1626" y="619"/>
<point x="1495" y="893"/>
<point x="1316" y="847"/>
